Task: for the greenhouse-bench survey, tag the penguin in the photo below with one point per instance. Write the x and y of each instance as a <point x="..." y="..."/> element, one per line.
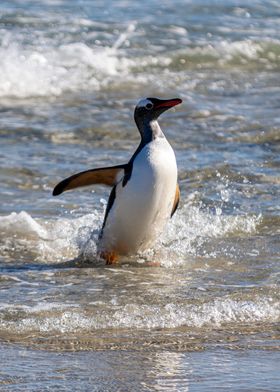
<point x="145" y="191"/>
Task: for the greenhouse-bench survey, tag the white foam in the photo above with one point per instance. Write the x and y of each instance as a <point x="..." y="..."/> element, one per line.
<point x="191" y="227"/>
<point x="52" y="240"/>
<point x="52" y="69"/>
<point x="246" y="48"/>
<point x="215" y="314"/>
<point x="65" y="238"/>
<point x="227" y="50"/>
<point x="37" y="308"/>
<point x="49" y="71"/>
<point x="18" y="224"/>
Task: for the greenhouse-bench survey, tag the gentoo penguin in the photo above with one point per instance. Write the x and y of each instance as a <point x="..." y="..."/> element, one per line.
<point x="145" y="192"/>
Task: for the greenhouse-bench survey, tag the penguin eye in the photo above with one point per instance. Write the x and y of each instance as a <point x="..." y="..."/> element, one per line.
<point x="149" y="106"/>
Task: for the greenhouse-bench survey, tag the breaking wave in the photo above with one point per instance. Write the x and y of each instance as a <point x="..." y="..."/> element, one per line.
<point x="62" y="239"/>
<point x="39" y="71"/>
<point x="32" y="73"/>
<point x="69" y="318"/>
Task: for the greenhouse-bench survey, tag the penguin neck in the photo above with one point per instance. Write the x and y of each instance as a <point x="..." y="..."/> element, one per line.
<point x="149" y="131"/>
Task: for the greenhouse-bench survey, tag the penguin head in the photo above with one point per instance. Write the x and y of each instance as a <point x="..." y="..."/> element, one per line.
<point x="149" y="109"/>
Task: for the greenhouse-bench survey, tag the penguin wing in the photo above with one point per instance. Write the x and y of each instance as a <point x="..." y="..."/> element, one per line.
<point x="105" y="175"/>
<point x="176" y="200"/>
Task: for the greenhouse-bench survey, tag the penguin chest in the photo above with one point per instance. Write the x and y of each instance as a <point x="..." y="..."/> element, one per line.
<point x="143" y="206"/>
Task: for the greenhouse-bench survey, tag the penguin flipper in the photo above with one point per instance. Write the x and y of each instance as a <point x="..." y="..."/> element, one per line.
<point x="104" y="175"/>
<point x="176" y="200"/>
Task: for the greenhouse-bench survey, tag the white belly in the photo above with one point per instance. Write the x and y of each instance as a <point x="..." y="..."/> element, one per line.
<point x="141" y="208"/>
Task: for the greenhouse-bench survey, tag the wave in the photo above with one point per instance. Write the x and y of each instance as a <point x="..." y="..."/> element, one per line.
<point x="57" y="240"/>
<point x="40" y="70"/>
<point x="51" y="71"/>
<point x="246" y="54"/>
<point x="32" y="73"/>
<point x="50" y="318"/>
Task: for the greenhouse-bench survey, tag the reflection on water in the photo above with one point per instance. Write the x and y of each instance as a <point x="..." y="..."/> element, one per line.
<point x="128" y="370"/>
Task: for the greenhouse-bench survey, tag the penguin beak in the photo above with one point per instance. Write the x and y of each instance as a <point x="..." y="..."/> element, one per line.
<point x="167" y="103"/>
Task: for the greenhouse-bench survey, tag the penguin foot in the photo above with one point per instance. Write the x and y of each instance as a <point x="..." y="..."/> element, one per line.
<point x="110" y="257"/>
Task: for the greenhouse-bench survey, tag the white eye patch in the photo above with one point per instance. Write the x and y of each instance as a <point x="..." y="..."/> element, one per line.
<point x="144" y="102"/>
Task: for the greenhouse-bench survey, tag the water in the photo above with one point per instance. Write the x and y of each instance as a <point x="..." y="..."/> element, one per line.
<point x="71" y="73"/>
<point x="159" y="371"/>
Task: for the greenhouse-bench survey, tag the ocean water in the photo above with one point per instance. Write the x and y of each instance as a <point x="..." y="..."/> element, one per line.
<point x="71" y="73"/>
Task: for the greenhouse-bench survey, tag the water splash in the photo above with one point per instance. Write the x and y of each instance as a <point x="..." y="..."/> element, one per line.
<point x="43" y="70"/>
<point x="39" y="70"/>
<point x="62" y="239"/>
<point x="69" y="318"/>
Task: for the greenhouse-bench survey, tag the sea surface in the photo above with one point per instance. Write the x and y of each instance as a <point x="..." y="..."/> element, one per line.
<point x="207" y="319"/>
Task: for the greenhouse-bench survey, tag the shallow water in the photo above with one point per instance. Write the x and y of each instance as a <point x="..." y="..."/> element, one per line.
<point x="120" y="370"/>
<point x="70" y="76"/>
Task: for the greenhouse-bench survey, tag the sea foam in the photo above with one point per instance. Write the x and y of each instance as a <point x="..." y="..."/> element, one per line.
<point x="41" y="70"/>
<point x="61" y="239"/>
<point x="70" y="318"/>
<point x="26" y="73"/>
